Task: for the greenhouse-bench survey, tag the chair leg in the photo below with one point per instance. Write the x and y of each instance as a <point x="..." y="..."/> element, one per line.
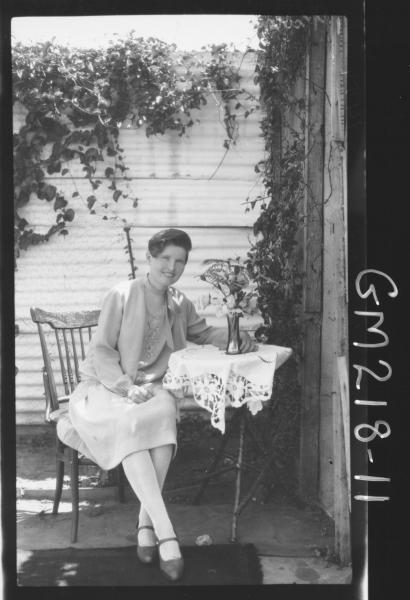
<point x="121" y="482"/>
<point x="74" y="494"/>
<point x="59" y="484"/>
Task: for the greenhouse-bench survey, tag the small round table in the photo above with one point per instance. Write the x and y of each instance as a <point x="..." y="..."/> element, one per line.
<point x="217" y="380"/>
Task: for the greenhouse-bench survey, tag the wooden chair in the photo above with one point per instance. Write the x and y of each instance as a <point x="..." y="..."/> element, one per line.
<point x="72" y="331"/>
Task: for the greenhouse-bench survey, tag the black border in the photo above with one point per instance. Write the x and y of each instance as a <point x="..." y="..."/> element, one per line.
<point x="383" y="219"/>
<point x="388" y="118"/>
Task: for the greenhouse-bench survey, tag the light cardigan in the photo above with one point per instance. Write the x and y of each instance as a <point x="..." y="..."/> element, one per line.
<point x="115" y="348"/>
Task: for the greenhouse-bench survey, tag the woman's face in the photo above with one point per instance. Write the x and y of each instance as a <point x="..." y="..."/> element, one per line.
<point x="167" y="267"/>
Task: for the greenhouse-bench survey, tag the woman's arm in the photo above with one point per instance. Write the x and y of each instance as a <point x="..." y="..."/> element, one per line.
<point x="106" y="358"/>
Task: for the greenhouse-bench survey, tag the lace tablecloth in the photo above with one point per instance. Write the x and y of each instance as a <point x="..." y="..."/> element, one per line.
<point x="216" y="379"/>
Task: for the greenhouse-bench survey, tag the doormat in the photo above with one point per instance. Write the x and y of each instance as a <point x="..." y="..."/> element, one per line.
<point x="225" y="564"/>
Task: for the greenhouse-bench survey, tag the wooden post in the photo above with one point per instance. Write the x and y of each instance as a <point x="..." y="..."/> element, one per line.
<point x="313" y="262"/>
<point x="341" y="434"/>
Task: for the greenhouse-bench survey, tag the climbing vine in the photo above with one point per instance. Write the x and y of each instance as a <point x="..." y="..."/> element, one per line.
<point x="274" y="259"/>
<point x="76" y="102"/>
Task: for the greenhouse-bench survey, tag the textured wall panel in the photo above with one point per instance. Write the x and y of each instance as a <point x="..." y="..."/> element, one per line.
<point x="163" y="201"/>
<point x="170" y="176"/>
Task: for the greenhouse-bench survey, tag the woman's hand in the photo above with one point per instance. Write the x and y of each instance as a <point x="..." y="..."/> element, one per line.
<point x="139" y="394"/>
<point x="247" y="343"/>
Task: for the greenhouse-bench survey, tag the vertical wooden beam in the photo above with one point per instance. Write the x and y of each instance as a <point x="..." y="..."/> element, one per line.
<point x="313" y="261"/>
<point x="341" y="432"/>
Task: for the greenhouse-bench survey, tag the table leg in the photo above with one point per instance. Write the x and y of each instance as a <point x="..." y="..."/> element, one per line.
<point x="256" y="483"/>
<point x="210" y="471"/>
<point x="238" y="467"/>
<point x="255" y="439"/>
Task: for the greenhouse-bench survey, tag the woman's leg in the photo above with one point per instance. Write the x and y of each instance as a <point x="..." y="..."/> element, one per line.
<point x="140" y="472"/>
<point x="161" y="459"/>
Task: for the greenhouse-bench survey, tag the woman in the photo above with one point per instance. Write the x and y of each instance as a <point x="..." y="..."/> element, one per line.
<point x="119" y="409"/>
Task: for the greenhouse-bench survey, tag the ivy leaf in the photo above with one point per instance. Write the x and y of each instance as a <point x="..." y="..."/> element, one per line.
<point x="64" y="172"/>
<point x="74" y="138"/>
<point x="111" y="151"/>
<point x="49" y="192"/>
<point x="69" y="214"/>
<point x="86" y="138"/>
<point x="116" y="195"/>
<point x="67" y="154"/>
<point x="92" y="154"/>
<point x="54" y="167"/>
<point x="54" y="129"/>
<point x="24" y="196"/>
<point x="105" y="218"/>
<point x="75" y="194"/>
<point x="63" y="232"/>
<point x="60" y="202"/>
<point x="91" y="200"/>
<point x="109" y="172"/>
<point x="38" y="174"/>
<point x="135" y="203"/>
<point x="22" y="224"/>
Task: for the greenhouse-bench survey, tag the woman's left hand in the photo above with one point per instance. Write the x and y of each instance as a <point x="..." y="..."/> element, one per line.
<point x="139" y="394"/>
<point x="247" y="343"/>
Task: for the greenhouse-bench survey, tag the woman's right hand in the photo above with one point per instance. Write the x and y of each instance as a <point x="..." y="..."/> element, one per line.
<point x="139" y="394"/>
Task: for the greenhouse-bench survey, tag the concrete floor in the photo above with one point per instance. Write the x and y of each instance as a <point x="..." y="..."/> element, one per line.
<point x="292" y="542"/>
<point x="285" y="538"/>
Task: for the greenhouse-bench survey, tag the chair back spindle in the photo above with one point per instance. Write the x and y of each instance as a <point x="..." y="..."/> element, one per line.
<point x="70" y="342"/>
<point x="75" y="357"/>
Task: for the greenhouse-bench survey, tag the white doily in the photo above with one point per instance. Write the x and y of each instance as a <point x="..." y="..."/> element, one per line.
<point x="216" y="379"/>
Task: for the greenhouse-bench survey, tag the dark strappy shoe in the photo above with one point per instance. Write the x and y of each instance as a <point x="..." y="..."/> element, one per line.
<point x="173" y="568"/>
<point x="146" y="554"/>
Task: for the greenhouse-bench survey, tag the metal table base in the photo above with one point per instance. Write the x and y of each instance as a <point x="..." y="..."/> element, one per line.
<point x="242" y="420"/>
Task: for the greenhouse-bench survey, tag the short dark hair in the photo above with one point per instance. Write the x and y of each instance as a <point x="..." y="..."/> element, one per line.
<point x="168" y="237"/>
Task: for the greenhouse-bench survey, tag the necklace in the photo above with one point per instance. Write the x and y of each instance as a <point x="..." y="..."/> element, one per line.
<point x="155" y="318"/>
<point x="155" y="300"/>
<point x="155" y="290"/>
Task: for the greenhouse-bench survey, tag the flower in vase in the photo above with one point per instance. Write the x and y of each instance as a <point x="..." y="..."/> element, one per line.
<point x="235" y="292"/>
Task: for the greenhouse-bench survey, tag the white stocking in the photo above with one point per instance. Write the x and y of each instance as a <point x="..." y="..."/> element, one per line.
<point x="140" y="472"/>
<point x="161" y="459"/>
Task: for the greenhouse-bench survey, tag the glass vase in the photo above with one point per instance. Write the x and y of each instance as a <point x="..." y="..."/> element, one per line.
<point x="234" y="340"/>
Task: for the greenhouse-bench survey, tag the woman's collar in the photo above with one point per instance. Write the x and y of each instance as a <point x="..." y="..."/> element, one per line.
<point x="169" y="293"/>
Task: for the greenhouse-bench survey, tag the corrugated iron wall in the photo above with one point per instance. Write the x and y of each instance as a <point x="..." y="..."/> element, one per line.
<point x="175" y="181"/>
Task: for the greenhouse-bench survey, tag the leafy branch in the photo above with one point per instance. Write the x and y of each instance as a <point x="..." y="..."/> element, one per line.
<point x="77" y="101"/>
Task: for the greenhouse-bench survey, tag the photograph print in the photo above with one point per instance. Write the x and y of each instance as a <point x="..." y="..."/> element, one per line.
<point x="181" y="300"/>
